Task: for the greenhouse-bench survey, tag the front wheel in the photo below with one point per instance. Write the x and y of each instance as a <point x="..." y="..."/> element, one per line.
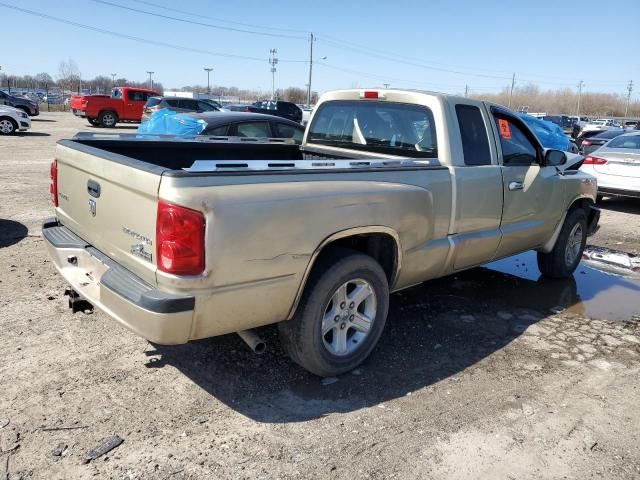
<point x="341" y="315"/>
<point x="7" y="126"/>
<point x="563" y="260"/>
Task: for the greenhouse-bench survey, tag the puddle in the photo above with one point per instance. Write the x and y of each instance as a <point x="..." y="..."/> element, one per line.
<point x="596" y="290"/>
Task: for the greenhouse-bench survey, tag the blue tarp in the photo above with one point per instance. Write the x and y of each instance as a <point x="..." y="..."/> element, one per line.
<point x="549" y="134"/>
<point x="168" y="122"/>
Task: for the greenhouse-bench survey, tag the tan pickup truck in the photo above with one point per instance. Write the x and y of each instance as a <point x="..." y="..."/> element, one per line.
<point x="181" y="239"/>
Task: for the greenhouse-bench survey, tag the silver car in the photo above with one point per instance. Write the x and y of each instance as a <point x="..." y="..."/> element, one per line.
<point x="616" y="165"/>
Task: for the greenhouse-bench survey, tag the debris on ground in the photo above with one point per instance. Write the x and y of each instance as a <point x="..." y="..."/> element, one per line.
<point x="60" y="450"/>
<point x="106" y="445"/>
<point x="329" y="380"/>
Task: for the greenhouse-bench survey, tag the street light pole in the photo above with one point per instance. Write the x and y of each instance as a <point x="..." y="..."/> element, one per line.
<point x="273" y="61"/>
<point x="580" y="84"/>
<point x="113" y="79"/>
<point x="208" y="70"/>
<point x="150" y="80"/>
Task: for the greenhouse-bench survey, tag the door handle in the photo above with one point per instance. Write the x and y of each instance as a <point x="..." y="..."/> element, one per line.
<point x="515" y="186"/>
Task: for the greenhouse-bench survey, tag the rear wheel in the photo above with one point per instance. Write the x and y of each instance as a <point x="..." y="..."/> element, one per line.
<point x="563" y="260"/>
<point x="93" y="121"/>
<point x="7" y="126"/>
<point x="341" y="314"/>
<point x="107" y="119"/>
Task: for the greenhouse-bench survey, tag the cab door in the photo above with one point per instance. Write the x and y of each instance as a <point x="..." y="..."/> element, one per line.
<point x="533" y="194"/>
<point x="134" y="103"/>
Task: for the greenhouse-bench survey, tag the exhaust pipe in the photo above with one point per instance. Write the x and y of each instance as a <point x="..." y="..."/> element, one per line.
<point x="254" y="341"/>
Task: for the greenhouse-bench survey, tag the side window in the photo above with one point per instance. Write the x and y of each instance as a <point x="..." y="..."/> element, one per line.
<point x="217" y="132"/>
<point x="206" y="107"/>
<point x="253" y="129"/>
<point x="516" y="147"/>
<point x="283" y="130"/>
<point x="116" y="93"/>
<point x="136" y="96"/>
<point x="475" y="141"/>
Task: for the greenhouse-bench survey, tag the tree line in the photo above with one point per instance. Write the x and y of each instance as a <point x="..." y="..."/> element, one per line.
<point x="564" y="101"/>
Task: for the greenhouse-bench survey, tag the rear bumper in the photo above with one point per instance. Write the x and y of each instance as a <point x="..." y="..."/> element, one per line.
<point x="158" y="316"/>
<point x="79" y="113"/>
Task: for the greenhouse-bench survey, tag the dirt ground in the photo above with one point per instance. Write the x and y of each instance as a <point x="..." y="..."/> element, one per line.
<point x="491" y="374"/>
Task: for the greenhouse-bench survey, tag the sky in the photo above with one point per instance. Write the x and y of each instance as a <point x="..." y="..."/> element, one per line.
<point x="428" y="44"/>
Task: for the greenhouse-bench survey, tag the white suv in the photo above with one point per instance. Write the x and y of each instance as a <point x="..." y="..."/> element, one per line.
<point x="13" y="120"/>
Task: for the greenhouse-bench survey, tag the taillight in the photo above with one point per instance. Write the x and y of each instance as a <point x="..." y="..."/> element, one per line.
<point x="591" y="160"/>
<point x="370" y="94"/>
<point x="85" y="103"/>
<point x="179" y="240"/>
<point x="53" y="187"/>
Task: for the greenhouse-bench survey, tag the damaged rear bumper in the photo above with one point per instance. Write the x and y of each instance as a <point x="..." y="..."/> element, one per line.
<point x="158" y="316"/>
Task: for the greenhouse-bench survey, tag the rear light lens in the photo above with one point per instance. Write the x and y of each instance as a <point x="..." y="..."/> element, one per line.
<point x="591" y="160"/>
<point x="370" y="94"/>
<point x="53" y="187"/>
<point x="179" y="240"/>
<point x="85" y="103"/>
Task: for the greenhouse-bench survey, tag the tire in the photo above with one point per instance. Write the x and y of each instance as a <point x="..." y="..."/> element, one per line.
<point x="8" y="126"/>
<point x="107" y="119"/>
<point x="349" y="337"/>
<point x="563" y="260"/>
<point x="93" y="122"/>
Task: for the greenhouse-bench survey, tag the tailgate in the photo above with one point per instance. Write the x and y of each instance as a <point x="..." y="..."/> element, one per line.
<point x="111" y="205"/>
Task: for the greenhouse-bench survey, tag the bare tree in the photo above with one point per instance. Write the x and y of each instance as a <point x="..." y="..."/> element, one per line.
<point x="295" y="95"/>
<point x="68" y="74"/>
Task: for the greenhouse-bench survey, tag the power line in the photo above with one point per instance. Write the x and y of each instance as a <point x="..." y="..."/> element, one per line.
<point x="200" y="15"/>
<point x="194" y="22"/>
<point x="138" y="39"/>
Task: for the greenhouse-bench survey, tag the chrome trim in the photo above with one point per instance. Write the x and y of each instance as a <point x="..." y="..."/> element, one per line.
<point x="344" y="234"/>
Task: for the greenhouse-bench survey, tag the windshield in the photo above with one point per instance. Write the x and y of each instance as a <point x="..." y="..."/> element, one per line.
<point x="384" y="127"/>
<point x="624" y="141"/>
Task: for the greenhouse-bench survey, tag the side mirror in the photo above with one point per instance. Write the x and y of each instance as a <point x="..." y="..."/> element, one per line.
<point x="554" y="158"/>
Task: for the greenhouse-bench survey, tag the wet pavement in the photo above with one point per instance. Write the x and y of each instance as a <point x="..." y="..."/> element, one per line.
<point x="596" y="290"/>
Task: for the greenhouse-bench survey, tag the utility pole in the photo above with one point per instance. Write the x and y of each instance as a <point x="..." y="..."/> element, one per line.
<point x="580" y="84"/>
<point x="386" y="85"/>
<point x="150" y="80"/>
<point x="273" y="61"/>
<point x="311" y="40"/>
<point x="208" y="70"/>
<point x="629" y="90"/>
<point x="113" y="79"/>
<point x="466" y="91"/>
<point x="513" y="83"/>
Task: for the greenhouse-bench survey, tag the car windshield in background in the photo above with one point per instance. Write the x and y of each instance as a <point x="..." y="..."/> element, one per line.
<point x="376" y="126"/>
<point x="630" y="142"/>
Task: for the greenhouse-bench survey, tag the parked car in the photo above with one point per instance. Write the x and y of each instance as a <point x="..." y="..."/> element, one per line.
<point x="632" y="125"/>
<point x="616" y="166"/>
<point x="587" y="134"/>
<point x="125" y="104"/>
<point x="13" y="120"/>
<point x="281" y="109"/>
<point x="178" y="105"/>
<point x="247" y="124"/>
<point x="29" y="107"/>
<point x="601" y="124"/>
<point x="589" y="145"/>
<point x="306" y="115"/>
<point x="191" y="238"/>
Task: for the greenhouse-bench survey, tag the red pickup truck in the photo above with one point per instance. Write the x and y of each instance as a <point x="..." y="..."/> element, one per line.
<point x="124" y="105"/>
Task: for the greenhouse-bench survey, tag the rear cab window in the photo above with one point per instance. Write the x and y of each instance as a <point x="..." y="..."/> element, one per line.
<point x="376" y="126"/>
<point x="116" y="93"/>
<point x="473" y="133"/>
<point x="253" y="129"/>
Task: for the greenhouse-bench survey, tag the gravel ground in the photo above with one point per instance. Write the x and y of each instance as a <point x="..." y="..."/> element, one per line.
<point x="479" y="376"/>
